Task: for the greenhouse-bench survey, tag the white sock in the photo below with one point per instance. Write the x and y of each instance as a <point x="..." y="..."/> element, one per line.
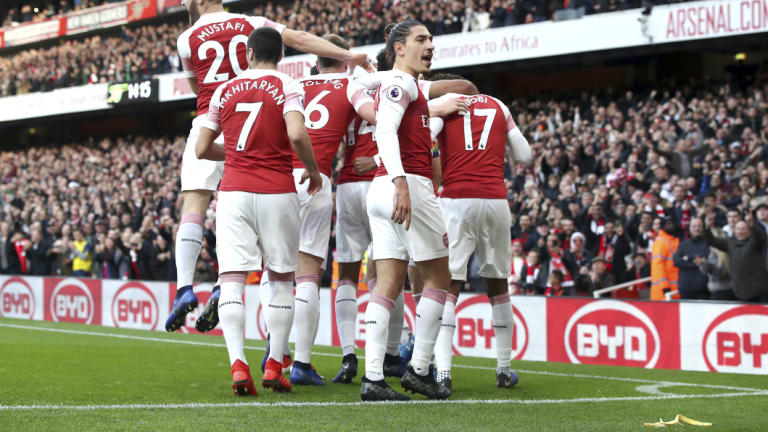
<point x="346" y="315"/>
<point x="396" y="319"/>
<point x="232" y="316"/>
<point x="444" y="345"/>
<point x="376" y="326"/>
<point x="189" y="241"/>
<point x="429" y="314"/>
<point x="503" y="325"/>
<point x="307" y="312"/>
<point x="280" y="316"/>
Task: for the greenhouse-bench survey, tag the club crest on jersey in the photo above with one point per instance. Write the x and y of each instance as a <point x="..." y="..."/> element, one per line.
<point x="445" y="239"/>
<point x="394" y="93"/>
<point x="425" y="120"/>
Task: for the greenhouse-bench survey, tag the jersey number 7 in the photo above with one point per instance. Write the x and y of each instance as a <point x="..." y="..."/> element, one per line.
<point x="253" y="111"/>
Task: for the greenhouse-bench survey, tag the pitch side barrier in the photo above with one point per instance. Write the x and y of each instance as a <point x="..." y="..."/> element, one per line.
<point x="688" y="335"/>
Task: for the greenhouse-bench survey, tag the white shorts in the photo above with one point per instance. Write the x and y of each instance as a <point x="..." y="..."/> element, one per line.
<point x="425" y="240"/>
<point x="199" y="174"/>
<point x="251" y="227"/>
<point x="482" y="226"/>
<point x="353" y="229"/>
<point x="315" y="214"/>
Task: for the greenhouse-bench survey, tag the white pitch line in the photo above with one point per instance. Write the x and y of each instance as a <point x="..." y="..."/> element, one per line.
<point x="524" y="371"/>
<point x="357" y="404"/>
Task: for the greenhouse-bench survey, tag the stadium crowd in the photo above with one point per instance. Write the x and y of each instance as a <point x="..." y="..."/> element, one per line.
<point x="143" y="51"/>
<point x="676" y="180"/>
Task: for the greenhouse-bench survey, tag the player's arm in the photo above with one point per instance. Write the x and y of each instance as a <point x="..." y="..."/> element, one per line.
<point x="185" y="53"/>
<point x="517" y="146"/>
<point x="436" y="89"/>
<point x="394" y="99"/>
<point x="205" y="147"/>
<point x="447" y="105"/>
<point x="359" y="98"/>
<point x="312" y="44"/>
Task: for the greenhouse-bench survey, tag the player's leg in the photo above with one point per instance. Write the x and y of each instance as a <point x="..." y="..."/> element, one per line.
<point x="461" y="218"/>
<point x="238" y="251"/>
<point x="353" y="237"/>
<point x="391" y="260"/>
<point x="315" y="213"/>
<point x="427" y="243"/>
<point x="346" y="315"/>
<point x="494" y="256"/>
<point x="503" y="318"/>
<point x="278" y="219"/>
<point x="265" y="294"/>
<point x="199" y="178"/>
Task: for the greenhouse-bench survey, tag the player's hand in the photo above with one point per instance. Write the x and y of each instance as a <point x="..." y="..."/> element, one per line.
<point x="364" y="164"/>
<point x="362" y="60"/>
<point x="448" y="107"/>
<point x="315" y="181"/>
<point x="401" y="206"/>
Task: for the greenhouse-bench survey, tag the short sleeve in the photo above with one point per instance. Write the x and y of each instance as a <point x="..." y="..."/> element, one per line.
<point x="212" y="119"/>
<point x="294" y="96"/>
<point x="258" y="22"/>
<point x="357" y="95"/>
<point x="398" y="91"/>
<point x="507" y="115"/>
<point x="185" y="54"/>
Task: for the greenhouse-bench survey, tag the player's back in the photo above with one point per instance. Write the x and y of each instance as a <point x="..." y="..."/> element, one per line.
<point x="213" y="50"/>
<point x="360" y="143"/>
<point x="330" y="100"/>
<point x="258" y="152"/>
<point x="472" y="149"/>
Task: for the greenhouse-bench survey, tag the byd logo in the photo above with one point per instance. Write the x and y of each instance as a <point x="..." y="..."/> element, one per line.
<point x="612" y="332"/>
<point x="474" y="329"/>
<point x="134" y="306"/>
<point x="17" y="299"/>
<point x="72" y="301"/>
<point x="737" y="341"/>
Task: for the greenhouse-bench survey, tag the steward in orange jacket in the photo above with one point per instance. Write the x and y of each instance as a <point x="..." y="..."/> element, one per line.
<point x="664" y="274"/>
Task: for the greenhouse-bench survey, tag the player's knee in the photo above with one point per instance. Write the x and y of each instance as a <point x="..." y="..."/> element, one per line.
<point x="196" y="201"/>
<point x="349" y="271"/>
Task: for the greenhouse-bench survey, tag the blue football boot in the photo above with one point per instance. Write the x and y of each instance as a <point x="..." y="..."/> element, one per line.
<point x="184" y="303"/>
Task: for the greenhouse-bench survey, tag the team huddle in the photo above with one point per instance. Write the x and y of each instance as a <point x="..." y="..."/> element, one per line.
<point x="267" y="143"/>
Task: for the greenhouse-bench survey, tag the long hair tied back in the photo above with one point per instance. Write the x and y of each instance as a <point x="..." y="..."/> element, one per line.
<point x="399" y="33"/>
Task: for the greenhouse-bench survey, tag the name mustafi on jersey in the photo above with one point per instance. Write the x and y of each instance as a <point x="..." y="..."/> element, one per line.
<point x="211" y="29"/>
<point x="255" y="85"/>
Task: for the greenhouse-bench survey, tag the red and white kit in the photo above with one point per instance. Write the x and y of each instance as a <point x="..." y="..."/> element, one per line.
<point x="212" y="51"/>
<point x="332" y="104"/>
<point x="257" y="212"/>
<point x="405" y="147"/>
<point x="353" y="228"/>
<point x="474" y="203"/>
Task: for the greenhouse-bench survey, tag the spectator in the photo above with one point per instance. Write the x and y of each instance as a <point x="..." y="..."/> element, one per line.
<point x="518" y="262"/>
<point x="718" y="272"/>
<point x="664" y="273"/>
<point x="599" y="277"/>
<point x="162" y="261"/>
<point x="746" y="259"/>
<point x="688" y="258"/>
<point x="206" y="270"/>
<point x="111" y="258"/>
<point x="555" y="286"/>
<point x="39" y="254"/>
<point x="534" y="278"/>
<point x="638" y="269"/>
<point x="82" y="255"/>
<point x="9" y="260"/>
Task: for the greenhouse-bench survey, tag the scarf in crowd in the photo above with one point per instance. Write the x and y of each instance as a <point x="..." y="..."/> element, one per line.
<point x="597" y="227"/>
<point x="552" y="291"/>
<point x="557" y="264"/>
<point x="532" y="273"/>
<point x="22" y="253"/>
<point x="517" y="265"/>
<point x="606" y="250"/>
<point x="685" y="219"/>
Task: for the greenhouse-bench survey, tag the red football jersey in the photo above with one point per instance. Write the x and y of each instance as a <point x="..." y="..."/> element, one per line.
<point x="413" y="133"/>
<point x="332" y="103"/>
<point x="249" y="111"/>
<point x="213" y="50"/>
<point x="472" y="149"/>
<point x="362" y="143"/>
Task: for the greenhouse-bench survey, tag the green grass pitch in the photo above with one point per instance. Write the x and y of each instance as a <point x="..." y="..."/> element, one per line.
<point x="57" y="376"/>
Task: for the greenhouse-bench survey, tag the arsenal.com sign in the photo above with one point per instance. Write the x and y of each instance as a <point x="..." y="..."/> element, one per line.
<point x="702" y="336"/>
